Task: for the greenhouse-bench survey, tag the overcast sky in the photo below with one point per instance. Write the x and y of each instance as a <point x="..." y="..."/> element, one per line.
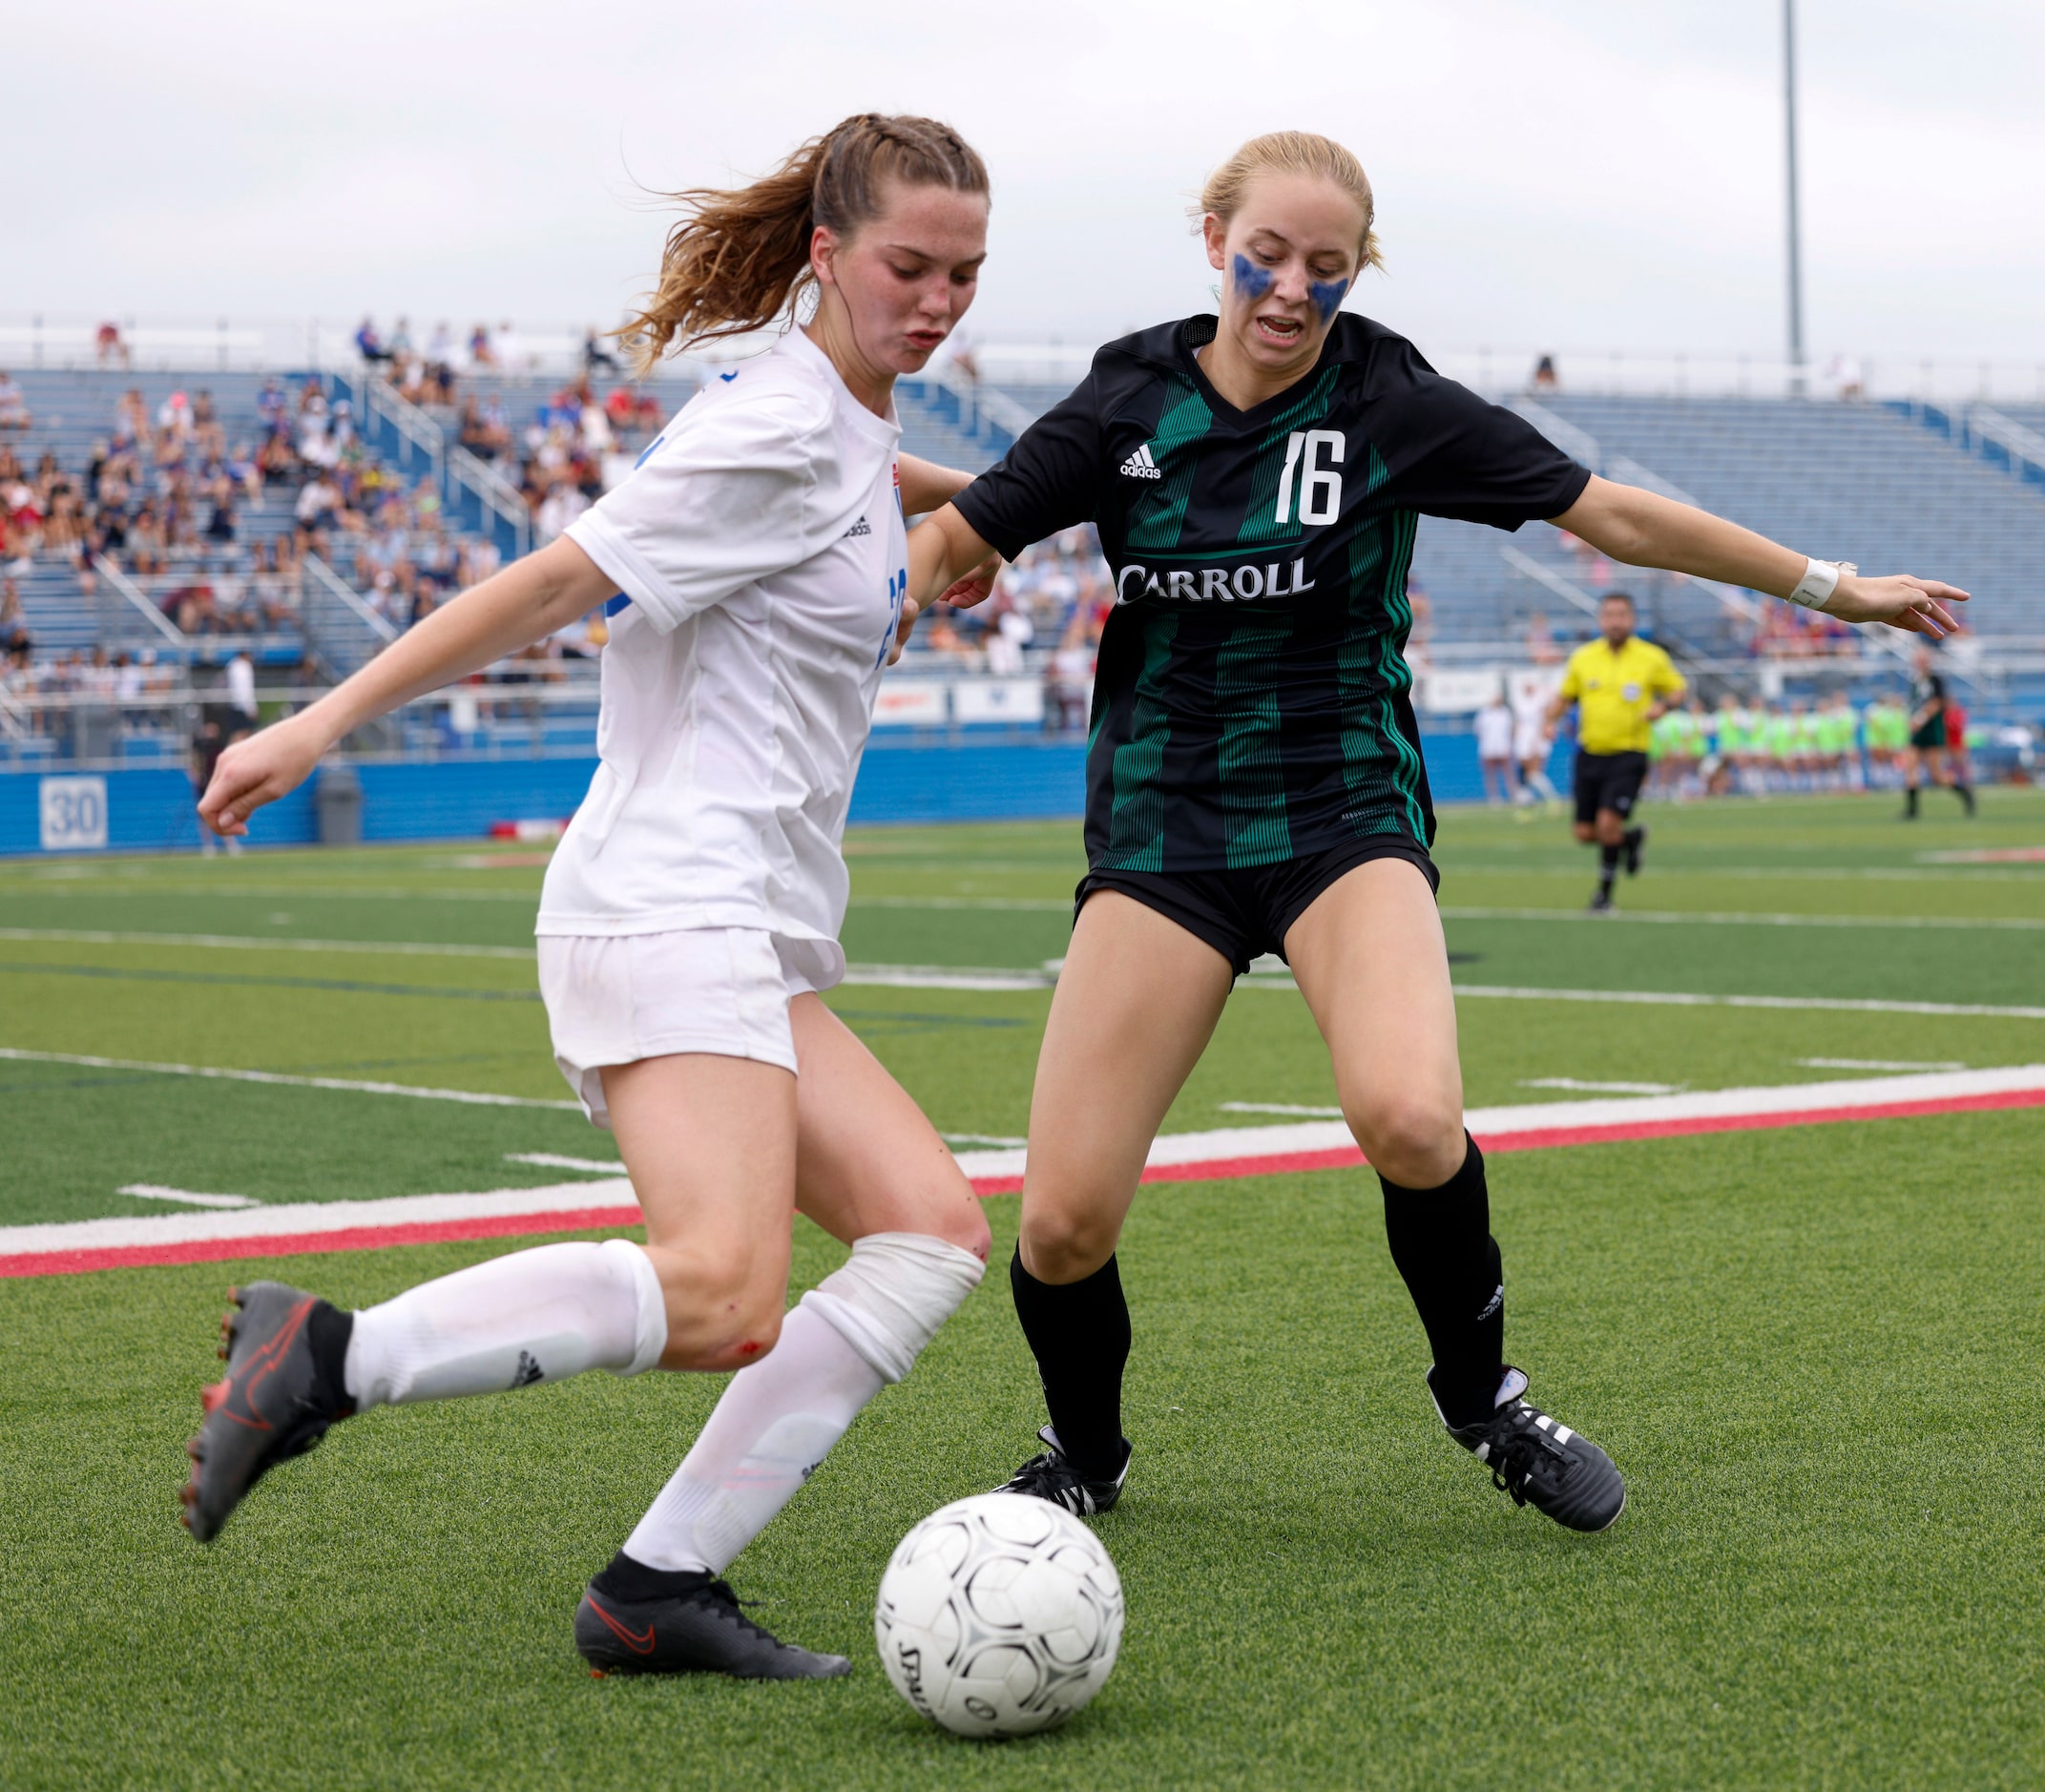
<point x="1565" y="173"/>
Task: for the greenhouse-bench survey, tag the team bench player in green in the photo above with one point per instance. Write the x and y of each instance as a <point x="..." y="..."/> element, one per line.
<point x="1254" y="774"/>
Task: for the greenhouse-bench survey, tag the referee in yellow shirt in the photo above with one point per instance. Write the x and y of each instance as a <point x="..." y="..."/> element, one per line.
<point x="1618" y="684"/>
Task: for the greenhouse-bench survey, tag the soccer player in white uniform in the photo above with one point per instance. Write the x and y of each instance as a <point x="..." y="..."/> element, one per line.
<point x="1532" y="737"/>
<point x="1494" y="748"/>
<point x="1255" y="782"/>
<point x="691" y="914"/>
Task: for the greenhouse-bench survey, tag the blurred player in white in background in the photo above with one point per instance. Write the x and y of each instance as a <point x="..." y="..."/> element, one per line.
<point x="1494" y="748"/>
<point x="1533" y="735"/>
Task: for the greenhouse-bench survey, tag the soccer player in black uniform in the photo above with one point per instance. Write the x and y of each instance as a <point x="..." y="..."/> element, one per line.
<point x="1254" y="781"/>
<point x="1932" y="741"/>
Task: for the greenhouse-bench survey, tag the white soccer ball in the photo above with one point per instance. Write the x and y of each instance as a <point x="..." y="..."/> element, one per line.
<point x="999" y="1615"/>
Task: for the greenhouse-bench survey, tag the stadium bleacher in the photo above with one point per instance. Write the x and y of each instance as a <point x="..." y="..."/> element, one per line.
<point x="1897" y="484"/>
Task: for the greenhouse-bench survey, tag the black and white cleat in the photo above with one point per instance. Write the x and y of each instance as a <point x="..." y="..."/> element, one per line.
<point x="648" y="1621"/>
<point x="282" y="1391"/>
<point x="1541" y="1461"/>
<point x="1052" y="1476"/>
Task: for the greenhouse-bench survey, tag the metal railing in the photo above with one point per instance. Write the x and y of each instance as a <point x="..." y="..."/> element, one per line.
<point x="498" y="496"/>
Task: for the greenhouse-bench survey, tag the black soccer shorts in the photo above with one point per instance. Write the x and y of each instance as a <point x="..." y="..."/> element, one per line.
<point x="1247" y="912"/>
<point x="1609" y="780"/>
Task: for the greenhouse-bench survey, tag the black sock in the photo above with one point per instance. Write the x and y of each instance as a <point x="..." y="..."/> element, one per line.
<point x="1966" y="796"/>
<point x="624" y="1578"/>
<point x="1909" y="798"/>
<point x="1078" y="1331"/>
<point x="328" y="1329"/>
<point x="1608" y="868"/>
<point x="1441" y="1241"/>
<point x="1632" y="837"/>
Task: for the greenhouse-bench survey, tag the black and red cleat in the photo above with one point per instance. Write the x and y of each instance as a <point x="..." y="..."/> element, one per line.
<point x="284" y="1388"/>
<point x="635" y="1619"/>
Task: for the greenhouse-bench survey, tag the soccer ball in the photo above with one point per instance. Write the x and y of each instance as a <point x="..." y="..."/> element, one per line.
<point x="999" y="1615"/>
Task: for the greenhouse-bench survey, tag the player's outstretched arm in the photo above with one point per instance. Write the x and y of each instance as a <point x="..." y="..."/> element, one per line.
<point x="949" y="561"/>
<point x="926" y="485"/>
<point x="1644" y="528"/>
<point x="525" y="603"/>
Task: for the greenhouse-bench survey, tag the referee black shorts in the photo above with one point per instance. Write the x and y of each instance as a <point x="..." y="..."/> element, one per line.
<point x="1247" y="912"/>
<point x="1608" y="781"/>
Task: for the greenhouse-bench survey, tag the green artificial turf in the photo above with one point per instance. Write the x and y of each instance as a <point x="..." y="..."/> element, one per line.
<point x="1813" y="1353"/>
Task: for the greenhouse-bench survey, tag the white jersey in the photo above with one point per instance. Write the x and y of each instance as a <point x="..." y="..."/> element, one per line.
<point x="1494" y="732"/>
<point x="762" y="544"/>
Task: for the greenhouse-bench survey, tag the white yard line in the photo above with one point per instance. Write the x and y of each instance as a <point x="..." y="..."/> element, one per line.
<point x="1003" y="1139"/>
<point x="1676" y="917"/>
<point x="1278" y="1107"/>
<point x="1228" y="1150"/>
<point x="157" y="1191"/>
<point x="296" y="1217"/>
<point x="549" y="1161"/>
<point x="474" y="1097"/>
<point x="1599" y="1089"/>
<point x="241" y="942"/>
<point x="1672" y="998"/>
<point x="1031" y="905"/>
<point x="1881" y="1064"/>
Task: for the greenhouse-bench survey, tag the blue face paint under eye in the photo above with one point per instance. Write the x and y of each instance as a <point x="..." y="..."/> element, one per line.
<point x="1327" y="295"/>
<point x="1251" y="280"/>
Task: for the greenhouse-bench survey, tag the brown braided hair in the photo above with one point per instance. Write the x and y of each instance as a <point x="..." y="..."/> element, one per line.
<point x="739" y="259"/>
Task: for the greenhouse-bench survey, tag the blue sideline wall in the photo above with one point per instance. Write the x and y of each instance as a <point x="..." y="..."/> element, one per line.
<point x="150" y="810"/>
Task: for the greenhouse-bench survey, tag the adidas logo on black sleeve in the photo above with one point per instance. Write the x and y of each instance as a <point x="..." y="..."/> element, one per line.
<point x="1141" y="466"/>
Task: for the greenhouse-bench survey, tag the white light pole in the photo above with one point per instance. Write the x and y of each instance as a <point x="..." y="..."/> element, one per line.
<point x="1796" y="246"/>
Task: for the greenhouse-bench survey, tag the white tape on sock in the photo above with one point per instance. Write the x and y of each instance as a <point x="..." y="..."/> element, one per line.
<point x="892" y="1294"/>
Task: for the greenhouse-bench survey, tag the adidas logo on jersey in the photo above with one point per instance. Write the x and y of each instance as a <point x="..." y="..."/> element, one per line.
<point x="860" y="527"/>
<point x="1141" y="466"/>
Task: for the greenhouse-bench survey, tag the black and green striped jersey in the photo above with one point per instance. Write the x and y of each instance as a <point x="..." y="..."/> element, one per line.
<point x="1252" y="701"/>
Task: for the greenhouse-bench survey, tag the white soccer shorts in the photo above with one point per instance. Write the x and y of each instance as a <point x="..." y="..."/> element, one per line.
<point x="619" y="998"/>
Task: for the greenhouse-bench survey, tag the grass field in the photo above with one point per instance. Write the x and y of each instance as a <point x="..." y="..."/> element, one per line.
<point x="1813" y="1350"/>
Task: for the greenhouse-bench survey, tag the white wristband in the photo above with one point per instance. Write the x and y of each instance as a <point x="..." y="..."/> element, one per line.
<point x="1821" y="579"/>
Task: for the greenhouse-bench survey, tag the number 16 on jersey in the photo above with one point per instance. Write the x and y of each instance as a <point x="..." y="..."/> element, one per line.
<point x="1319" y="486"/>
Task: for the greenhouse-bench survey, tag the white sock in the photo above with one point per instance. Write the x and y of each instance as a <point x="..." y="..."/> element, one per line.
<point x="857" y="1330"/>
<point x="536" y="1316"/>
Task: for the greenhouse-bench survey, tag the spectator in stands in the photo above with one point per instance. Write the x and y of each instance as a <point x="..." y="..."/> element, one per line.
<point x="15" y="635"/>
<point x="111" y="345"/>
<point x="481" y="351"/>
<point x="1544" y="375"/>
<point x="318" y="503"/>
<point x="440" y="347"/>
<point x="368" y="344"/>
<point x="220" y="527"/>
<point x="1541" y="646"/>
<point x="594" y="355"/>
<point x="14" y="413"/>
<point x="507" y="348"/>
<point x="1069" y="680"/>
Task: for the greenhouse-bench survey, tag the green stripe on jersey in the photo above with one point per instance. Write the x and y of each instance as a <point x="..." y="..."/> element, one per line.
<point x="1156" y="515"/>
<point x="1252" y="774"/>
<point x="1262" y="525"/>
<point x="1136" y="827"/>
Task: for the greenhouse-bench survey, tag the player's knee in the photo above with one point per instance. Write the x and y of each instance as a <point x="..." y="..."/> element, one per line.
<point x="946" y="1208"/>
<point x="1583" y="832"/>
<point x="724" y="1311"/>
<point x="1066" y="1246"/>
<point x="1413" y="1138"/>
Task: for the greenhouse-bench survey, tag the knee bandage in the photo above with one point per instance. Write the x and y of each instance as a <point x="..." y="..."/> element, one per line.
<point x="892" y="1294"/>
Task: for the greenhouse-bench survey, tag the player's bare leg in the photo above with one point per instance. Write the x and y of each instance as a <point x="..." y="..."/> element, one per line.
<point x="1372" y="964"/>
<point x="1133" y="1012"/>
<point x="871" y="1171"/>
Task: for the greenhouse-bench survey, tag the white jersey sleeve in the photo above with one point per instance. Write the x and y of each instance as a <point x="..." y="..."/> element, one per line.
<point x="724" y="498"/>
